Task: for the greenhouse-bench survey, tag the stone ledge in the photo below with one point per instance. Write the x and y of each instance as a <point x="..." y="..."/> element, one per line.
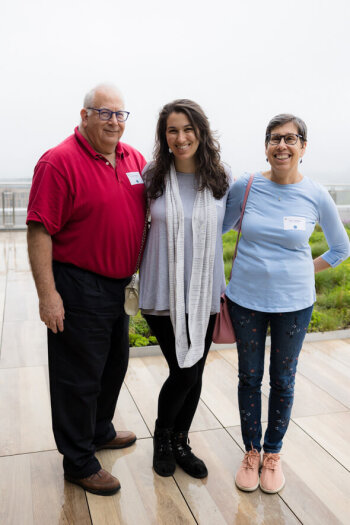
<point x="144" y="351"/>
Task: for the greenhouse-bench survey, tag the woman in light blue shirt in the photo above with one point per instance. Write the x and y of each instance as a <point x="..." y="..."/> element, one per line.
<point x="273" y="283"/>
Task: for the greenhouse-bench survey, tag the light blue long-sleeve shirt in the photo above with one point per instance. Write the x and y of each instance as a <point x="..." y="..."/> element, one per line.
<point x="273" y="270"/>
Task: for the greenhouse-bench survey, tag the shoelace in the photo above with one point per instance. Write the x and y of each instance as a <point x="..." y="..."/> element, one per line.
<point x="166" y="447"/>
<point x="271" y="460"/>
<point x="248" y="459"/>
<point x="183" y="447"/>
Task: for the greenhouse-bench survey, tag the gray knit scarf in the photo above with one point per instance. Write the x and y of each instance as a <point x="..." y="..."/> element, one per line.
<point x="204" y="227"/>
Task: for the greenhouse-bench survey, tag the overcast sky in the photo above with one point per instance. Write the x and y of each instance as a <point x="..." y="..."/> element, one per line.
<point x="243" y="61"/>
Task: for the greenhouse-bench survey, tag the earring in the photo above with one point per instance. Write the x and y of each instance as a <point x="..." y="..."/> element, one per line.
<point x="301" y="160"/>
<point x="267" y="160"/>
<point x="170" y="152"/>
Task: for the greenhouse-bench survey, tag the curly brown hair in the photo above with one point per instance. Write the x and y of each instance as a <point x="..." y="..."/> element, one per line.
<point x="209" y="168"/>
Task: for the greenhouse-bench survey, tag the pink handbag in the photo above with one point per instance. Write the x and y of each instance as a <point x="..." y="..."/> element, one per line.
<point x="223" y="330"/>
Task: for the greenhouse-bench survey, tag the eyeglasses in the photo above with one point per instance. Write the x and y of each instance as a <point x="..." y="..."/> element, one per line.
<point x="107" y="114"/>
<point x="290" y="139"/>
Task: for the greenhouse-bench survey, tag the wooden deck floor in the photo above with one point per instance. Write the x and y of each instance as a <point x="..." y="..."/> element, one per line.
<point x="316" y="453"/>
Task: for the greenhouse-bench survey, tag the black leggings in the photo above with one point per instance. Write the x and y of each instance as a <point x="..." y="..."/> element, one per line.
<point x="179" y="395"/>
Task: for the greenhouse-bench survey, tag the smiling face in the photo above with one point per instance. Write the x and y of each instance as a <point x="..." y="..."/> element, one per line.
<point x="103" y="135"/>
<point x="283" y="157"/>
<point x="182" y="140"/>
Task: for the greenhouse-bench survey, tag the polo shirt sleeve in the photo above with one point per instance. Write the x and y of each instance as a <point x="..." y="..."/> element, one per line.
<point x="335" y="233"/>
<point x="50" y="199"/>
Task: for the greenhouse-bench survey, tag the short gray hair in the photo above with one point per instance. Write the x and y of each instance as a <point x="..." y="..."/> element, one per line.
<point x="90" y="96"/>
<point x="284" y="118"/>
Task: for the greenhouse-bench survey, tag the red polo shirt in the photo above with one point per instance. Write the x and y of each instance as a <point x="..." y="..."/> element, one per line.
<point x="94" y="213"/>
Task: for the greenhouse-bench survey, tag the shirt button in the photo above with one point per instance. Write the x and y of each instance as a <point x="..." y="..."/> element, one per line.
<point x="107" y="163"/>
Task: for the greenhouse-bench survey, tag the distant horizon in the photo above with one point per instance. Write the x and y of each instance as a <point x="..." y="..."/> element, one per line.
<point x="324" y="182"/>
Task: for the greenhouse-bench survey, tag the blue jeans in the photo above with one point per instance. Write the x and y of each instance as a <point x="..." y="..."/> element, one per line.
<point x="288" y="331"/>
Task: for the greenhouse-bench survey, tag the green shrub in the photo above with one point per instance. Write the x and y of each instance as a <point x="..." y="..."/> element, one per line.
<point x="330" y="319"/>
<point x="318" y="247"/>
<point x="138" y="340"/>
<point x="328" y="279"/>
<point x="140" y="333"/>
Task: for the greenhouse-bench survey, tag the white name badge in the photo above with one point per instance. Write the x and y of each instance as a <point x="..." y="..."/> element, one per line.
<point x="134" y="177"/>
<point x="294" y="223"/>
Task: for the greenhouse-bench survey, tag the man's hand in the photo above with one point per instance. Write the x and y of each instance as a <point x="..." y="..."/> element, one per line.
<point x="52" y="311"/>
<point x="40" y="255"/>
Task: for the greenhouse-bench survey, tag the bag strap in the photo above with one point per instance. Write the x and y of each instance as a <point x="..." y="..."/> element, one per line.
<point x="144" y="235"/>
<point x="250" y="182"/>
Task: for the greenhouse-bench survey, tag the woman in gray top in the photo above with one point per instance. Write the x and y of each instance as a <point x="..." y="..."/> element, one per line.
<point x="182" y="272"/>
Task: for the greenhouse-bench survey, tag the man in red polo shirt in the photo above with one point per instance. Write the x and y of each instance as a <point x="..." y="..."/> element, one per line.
<point x="85" y="221"/>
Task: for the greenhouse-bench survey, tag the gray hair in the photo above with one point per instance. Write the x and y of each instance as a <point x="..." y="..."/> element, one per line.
<point x="284" y="118"/>
<point x="90" y="96"/>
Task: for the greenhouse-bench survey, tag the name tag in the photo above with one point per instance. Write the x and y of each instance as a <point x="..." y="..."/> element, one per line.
<point x="134" y="177"/>
<point x="294" y="223"/>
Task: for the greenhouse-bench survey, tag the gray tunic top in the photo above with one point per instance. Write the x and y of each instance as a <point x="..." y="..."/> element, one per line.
<point x="154" y="273"/>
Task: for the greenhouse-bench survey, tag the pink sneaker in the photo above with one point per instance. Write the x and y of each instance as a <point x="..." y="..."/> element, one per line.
<point x="271" y="479"/>
<point x="247" y="477"/>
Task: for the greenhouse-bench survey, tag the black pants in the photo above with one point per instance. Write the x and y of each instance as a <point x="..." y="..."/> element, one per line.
<point x="87" y="365"/>
<point x="179" y="396"/>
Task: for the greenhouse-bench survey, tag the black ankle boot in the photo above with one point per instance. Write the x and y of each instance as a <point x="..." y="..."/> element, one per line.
<point x="163" y="455"/>
<point x="192" y="465"/>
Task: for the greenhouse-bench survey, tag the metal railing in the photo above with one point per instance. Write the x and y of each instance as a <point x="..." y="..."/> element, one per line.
<point x="14" y="197"/>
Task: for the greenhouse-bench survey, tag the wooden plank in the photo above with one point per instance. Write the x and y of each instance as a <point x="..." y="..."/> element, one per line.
<point x="2" y="302"/>
<point x="33" y="492"/>
<point x="216" y="500"/>
<point x="25" y="411"/>
<point x="144" y="497"/>
<point x="21" y="300"/>
<point x="127" y="415"/>
<point x="18" y="254"/>
<point x="332" y="432"/>
<point x="16" y="491"/>
<point x="338" y="349"/>
<point x="326" y="372"/>
<point x="317" y="487"/>
<point x="144" y="380"/>
<point x="3" y="253"/>
<point x="24" y="343"/>
<point x="309" y="399"/>
<point x="230" y="355"/>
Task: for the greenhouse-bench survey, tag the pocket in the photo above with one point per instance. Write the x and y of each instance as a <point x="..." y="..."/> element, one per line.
<point x="78" y="288"/>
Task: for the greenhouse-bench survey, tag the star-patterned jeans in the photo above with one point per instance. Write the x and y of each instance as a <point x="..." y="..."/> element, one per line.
<point x="288" y="331"/>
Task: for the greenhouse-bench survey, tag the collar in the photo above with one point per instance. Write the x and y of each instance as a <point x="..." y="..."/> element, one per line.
<point x="120" y="149"/>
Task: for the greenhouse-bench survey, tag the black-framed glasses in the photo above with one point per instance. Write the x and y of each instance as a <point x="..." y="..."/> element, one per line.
<point x="290" y="138"/>
<point x="107" y="114"/>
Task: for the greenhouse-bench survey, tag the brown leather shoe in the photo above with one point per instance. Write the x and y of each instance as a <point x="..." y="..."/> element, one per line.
<point x="123" y="439"/>
<point x="101" y="483"/>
